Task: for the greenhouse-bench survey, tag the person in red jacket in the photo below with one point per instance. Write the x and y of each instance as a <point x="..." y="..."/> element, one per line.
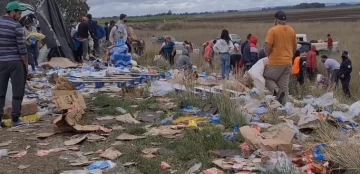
<point x="330" y="43"/>
<point x="311" y="64"/>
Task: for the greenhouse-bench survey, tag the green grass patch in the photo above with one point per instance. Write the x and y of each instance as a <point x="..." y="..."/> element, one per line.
<point x="136" y="130"/>
<point x="125" y="103"/>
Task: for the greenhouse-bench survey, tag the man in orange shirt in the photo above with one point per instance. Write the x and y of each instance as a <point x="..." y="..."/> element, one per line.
<point x="280" y="48"/>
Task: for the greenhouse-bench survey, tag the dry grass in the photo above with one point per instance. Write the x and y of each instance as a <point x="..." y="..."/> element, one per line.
<point x="198" y="33"/>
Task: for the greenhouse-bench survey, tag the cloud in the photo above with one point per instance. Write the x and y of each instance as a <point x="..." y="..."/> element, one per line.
<point x="104" y="8"/>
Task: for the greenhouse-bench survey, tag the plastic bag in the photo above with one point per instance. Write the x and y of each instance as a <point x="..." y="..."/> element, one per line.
<point x="256" y="73"/>
<point x="354" y="109"/>
<point x="9" y="94"/>
<point x="161" y="88"/>
<point x="325" y="100"/>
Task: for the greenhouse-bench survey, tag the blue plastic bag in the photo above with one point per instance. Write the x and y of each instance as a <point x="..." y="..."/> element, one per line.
<point x="99" y="165"/>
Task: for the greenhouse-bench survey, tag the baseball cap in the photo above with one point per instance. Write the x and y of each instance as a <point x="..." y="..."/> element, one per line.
<point x="14" y="5"/>
<point x="280" y="15"/>
<point x="122" y="16"/>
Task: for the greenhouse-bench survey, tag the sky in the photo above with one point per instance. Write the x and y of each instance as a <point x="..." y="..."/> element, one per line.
<point x="106" y="8"/>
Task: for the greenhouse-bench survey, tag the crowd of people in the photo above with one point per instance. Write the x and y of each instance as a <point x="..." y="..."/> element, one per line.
<point x="286" y="65"/>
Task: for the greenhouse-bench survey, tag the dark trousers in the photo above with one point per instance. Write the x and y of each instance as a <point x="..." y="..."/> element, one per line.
<point x="310" y="72"/>
<point x="170" y="57"/>
<point x="14" y="70"/>
<point x="96" y="47"/>
<point x="78" y="53"/>
<point x="33" y="54"/>
<point x="345" y="82"/>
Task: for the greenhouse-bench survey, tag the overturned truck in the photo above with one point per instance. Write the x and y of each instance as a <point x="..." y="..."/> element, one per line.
<point x="58" y="42"/>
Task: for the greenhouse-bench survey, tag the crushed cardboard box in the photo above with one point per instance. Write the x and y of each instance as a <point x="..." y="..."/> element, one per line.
<point x="28" y="107"/>
<point x="61" y="62"/>
<point x="276" y="138"/>
<point x="65" y="95"/>
<point x="135" y="92"/>
<point x="69" y="122"/>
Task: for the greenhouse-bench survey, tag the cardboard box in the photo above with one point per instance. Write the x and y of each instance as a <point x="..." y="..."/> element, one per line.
<point x="65" y="99"/>
<point x="28" y="107"/>
<point x="135" y="92"/>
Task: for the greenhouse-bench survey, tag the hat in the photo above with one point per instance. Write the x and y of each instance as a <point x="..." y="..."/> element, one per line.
<point x="280" y="15"/>
<point x="122" y="16"/>
<point x="14" y="5"/>
<point x="345" y="54"/>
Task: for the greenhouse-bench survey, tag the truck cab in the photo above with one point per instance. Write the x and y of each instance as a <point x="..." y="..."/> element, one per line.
<point x="235" y="38"/>
<point x="321" y="46"/>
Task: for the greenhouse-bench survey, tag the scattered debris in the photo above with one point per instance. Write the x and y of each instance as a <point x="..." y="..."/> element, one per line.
<point x="129" y="164"/>
<point x="117" y="127"/>
<point x="43" y="144"/>
<point x="194" y="169"/>
<point x="127" y="118"/>
<point x="44" y="135"/>
<point x="105" y="118"/>
<point x="121" y="110"/>
<point x="212" y="171"/>
<point x="22" y="167"/>
<point x="19" y="155"/>
<point x="101" y="165"/>
<point x="165" y="165"/>
<point x="150" y="152"/>
<point x="117" y="143"/>
<point x="148" y="116"/>
<point x="276" y="138"/>
<point x="6" y="143"/>
<point x="80" y="162"/>
<point x="165" y="131"/>
<point x="128" y="137"/>
<point x="75" y="141"/>
<point x="110" y="153"/>
<point x="95" y="138"/>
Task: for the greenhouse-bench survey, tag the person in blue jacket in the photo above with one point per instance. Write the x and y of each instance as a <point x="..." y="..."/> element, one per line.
<point x="100" y="32"/>
<point x="250" y="55"/>
<point x="345" y="73"/>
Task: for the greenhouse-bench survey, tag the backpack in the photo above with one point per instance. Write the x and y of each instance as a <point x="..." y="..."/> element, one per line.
<point x="120" y="32"/>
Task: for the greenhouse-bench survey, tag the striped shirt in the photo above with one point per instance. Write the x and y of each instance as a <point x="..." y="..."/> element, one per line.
<point x="12" y="40"/>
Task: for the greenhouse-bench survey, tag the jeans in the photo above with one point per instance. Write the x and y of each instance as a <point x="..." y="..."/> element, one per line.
<point x="33" y="54"/>
<point x="225" y="65"/>
<point x="14" y="70"/>
<point x="85" y="48"/>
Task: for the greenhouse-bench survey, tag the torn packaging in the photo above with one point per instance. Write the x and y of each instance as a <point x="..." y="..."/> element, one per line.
<point x="66" y="99"/>
<point x="69" y="122"/>
<point x="28" y="107"/>
<point x="277" y="138"/>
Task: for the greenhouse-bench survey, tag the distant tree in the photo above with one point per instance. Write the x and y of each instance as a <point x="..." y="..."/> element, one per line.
<point x="169" y="12"/>
<point x="73" y="9"/>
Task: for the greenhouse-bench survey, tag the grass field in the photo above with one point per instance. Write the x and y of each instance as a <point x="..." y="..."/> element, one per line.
<point x="298" y="15"/>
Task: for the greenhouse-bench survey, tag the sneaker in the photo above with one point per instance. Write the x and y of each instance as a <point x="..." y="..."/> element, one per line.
<point x="2" y="125"/>
<point x="18" y="124"/>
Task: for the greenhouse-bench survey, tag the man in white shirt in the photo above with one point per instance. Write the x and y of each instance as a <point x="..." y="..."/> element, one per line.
<point x="332" y="67"/>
